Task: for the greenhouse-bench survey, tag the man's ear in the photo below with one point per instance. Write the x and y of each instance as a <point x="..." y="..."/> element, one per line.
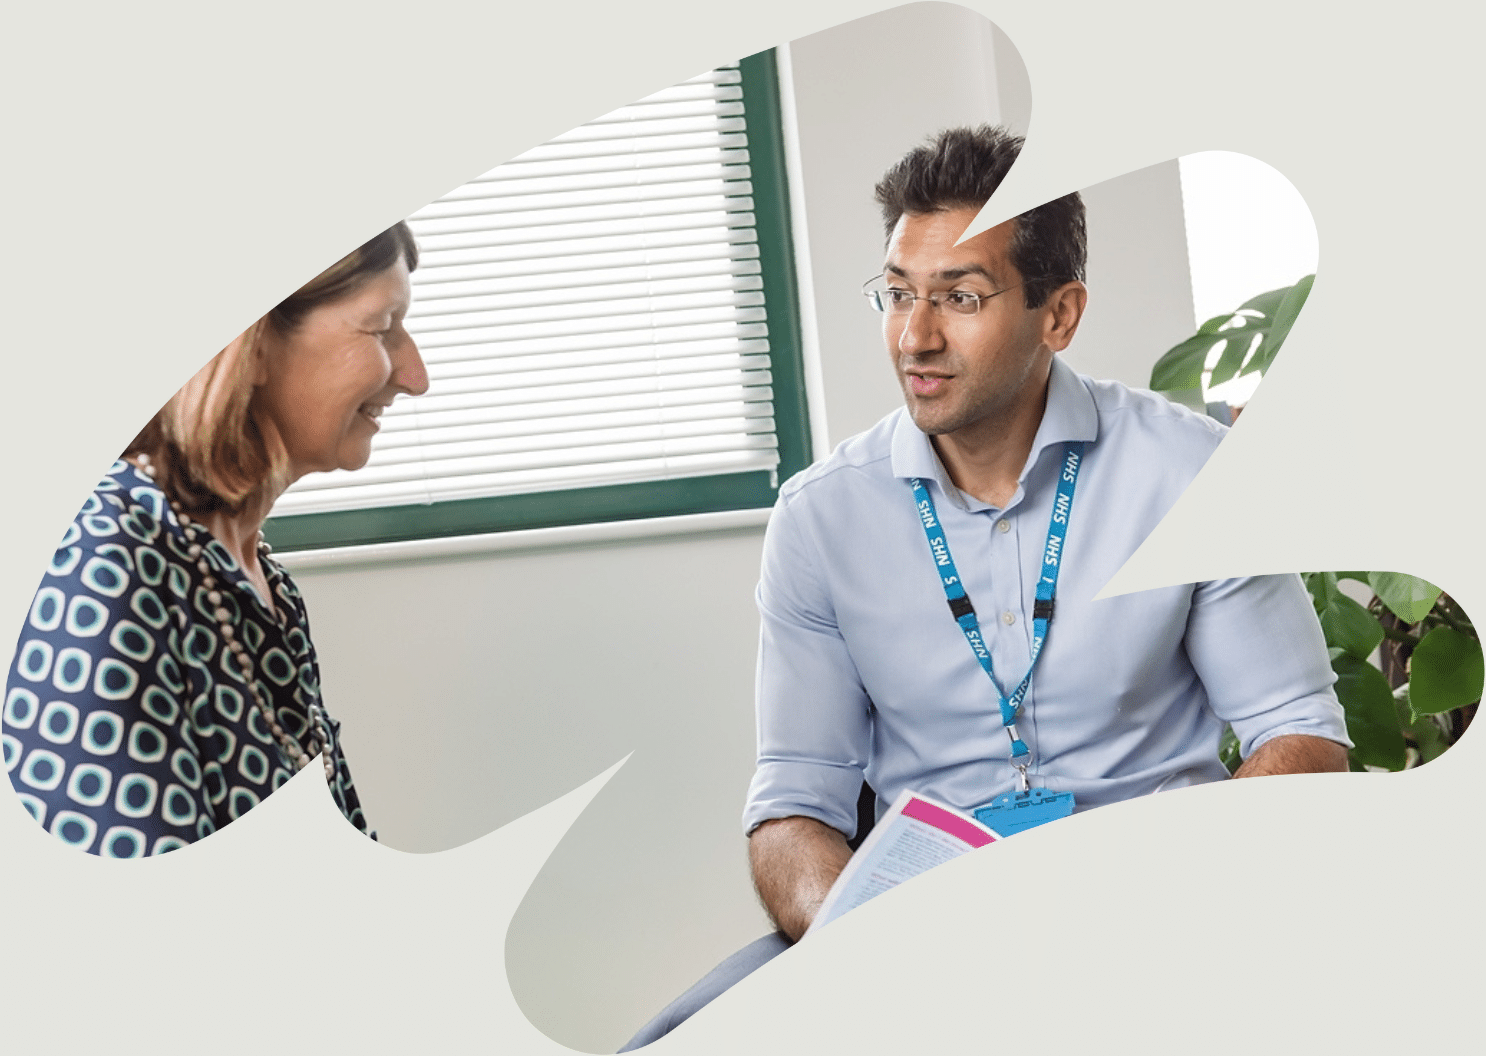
<point x="1064" y="308"/>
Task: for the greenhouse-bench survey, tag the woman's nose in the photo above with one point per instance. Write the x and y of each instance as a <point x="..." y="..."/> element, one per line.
<point x="409" y="372"/>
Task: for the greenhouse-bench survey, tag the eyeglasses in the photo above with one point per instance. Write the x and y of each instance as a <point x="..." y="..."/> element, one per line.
<point x="894" y="301"/>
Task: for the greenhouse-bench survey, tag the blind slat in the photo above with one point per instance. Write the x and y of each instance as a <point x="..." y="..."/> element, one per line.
<point x="591" y="312"/>
<point x="701" y="406"/>
<point x="466" y="357"/>
<point x="535" y="252"/>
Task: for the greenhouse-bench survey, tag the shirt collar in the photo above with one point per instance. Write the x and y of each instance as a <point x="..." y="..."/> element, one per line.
<point x="1069" y="415"/>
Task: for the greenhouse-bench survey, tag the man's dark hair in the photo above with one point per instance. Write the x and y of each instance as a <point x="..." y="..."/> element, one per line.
<point x="960" y="168"/>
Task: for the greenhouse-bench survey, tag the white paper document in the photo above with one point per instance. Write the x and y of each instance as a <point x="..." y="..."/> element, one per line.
<point x="914" y="835"/>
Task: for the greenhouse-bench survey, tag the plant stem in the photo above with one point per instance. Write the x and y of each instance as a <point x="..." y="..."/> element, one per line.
<point x="1398" y="636"/>
<point x="1453" y="618"/>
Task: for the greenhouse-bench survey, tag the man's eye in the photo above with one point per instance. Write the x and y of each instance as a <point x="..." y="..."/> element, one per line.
<point x="962" y="301"/>
<point x="898" y="297"/>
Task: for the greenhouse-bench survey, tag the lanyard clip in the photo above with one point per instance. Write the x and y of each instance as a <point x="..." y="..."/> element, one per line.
<point x="1023" y="785"/>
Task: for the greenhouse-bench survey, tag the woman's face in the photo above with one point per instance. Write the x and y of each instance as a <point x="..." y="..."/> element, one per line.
<point x="323" y="385"/>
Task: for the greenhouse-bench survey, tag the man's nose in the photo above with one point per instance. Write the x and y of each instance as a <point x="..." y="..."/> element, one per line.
<point x="921" y="329"/>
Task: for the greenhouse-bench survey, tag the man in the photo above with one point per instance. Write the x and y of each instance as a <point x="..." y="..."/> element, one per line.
<point x="982" y="518"/>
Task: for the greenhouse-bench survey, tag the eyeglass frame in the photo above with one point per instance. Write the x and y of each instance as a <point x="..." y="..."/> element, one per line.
<point x="936" y="300"/>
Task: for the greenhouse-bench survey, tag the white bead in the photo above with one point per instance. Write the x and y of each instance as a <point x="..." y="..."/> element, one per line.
<point x="215" y="597"/>
<point x="222" y="615"/>
<point x="203" y="567"/>
<point x="229" y="633"/>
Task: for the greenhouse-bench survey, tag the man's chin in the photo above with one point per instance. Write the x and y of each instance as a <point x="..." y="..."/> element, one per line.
<point x="930" y="423"/>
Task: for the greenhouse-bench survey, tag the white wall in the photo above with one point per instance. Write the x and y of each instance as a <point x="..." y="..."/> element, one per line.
<point x="473" y="690"/>
<point x="866" y="93"/>
<point x="1140" y="290"/>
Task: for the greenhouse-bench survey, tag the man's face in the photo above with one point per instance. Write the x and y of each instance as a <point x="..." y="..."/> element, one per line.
<point x="962" y="372"/>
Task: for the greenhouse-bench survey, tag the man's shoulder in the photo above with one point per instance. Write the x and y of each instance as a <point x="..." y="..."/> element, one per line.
<point x="1141" y="420"/>
<point x="860" y="459"/>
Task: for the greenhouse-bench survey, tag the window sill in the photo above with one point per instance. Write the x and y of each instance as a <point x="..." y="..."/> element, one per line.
<point x="522" y="539"/>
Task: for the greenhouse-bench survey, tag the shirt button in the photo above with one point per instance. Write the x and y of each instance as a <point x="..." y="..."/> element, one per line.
<point x="1003" y="525"/>
<point x="1008" y="617"/>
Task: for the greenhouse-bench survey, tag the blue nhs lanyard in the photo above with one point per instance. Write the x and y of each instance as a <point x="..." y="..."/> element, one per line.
<point x="1042" y="609"/>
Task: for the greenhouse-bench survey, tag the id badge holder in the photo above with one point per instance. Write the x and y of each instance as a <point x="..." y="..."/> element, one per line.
<point x="1016" y="811"/>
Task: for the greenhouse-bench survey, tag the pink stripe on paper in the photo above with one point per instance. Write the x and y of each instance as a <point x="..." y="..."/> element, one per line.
<point x="944" y="821"/>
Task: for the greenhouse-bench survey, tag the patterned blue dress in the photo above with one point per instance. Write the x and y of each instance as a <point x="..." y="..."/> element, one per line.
<point x="126" y="729"/>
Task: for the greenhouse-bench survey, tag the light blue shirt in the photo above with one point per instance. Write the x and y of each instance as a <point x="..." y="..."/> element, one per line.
<point x="863" y="670"/>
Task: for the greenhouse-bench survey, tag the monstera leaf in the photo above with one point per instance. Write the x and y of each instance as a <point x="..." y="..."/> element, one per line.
<point x="1250" y="338"/>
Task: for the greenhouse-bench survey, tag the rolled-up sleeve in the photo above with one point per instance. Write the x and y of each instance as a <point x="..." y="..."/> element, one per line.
<point x="814" y="722"/>
<point x="1257" y="646"/>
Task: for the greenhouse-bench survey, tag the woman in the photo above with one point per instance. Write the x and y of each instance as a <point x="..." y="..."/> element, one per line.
<point x="165" y="681"/>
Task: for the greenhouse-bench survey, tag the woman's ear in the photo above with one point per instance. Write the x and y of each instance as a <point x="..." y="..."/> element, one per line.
<point x="257" y="338"/>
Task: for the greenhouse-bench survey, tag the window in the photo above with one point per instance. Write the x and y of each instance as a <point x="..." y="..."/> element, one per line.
<point x="611" y="331"/>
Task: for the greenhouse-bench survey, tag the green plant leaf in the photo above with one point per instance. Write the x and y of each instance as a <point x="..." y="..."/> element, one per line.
<point x="1234" y="353"/>
<point x="1228" y="750"/>
<point x="1324" y="590"/>
<point x="1372" y="718"/>
<point x="1181" y="366"/>
<point x="1286" y="312"/>
<point x="1261" y="358"/>
<point x="1270" y="316"/>
<point x="1267" y="302"/>
<point x="1349" y="626"/>
<point x="1445" y="672"/>
<point x="1407" y="597"/>
<point x="1424" y="730"/>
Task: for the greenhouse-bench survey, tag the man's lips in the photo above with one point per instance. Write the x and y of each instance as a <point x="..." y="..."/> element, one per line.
<point x="926" y="384"/>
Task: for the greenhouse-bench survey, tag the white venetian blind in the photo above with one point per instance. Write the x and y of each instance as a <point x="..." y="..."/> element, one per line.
<point x="591" y="312"/>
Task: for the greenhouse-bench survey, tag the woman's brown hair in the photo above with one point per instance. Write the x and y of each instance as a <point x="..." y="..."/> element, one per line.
<point x="207" y="448"/>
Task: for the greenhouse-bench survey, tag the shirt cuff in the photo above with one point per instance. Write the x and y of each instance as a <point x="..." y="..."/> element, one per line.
<point x="827" y="792"/>
<point x="1326" y="720"/>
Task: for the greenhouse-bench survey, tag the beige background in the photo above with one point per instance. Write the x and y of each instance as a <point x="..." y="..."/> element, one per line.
<point x="157" y="149"/>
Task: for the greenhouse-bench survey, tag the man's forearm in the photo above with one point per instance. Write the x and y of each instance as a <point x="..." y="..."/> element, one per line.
<point x="1294" y="754"/>
<point x="795" y="861"/>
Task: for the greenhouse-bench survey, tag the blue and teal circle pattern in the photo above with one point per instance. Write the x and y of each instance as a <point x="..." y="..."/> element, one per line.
<point x="126" y="729"/>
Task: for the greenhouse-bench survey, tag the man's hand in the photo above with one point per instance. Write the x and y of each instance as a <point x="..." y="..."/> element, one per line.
<point x="795" y="861"/>
<point x="1294" y="754"/>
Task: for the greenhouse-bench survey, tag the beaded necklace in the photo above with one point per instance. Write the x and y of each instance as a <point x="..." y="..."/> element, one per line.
<point x="319" y="741"/>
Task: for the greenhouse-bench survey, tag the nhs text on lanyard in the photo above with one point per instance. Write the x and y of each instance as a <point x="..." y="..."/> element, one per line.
<point x="1027" y="807"/>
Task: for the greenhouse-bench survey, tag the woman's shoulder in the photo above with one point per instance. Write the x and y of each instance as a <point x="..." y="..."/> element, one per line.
<point x="126" y="509"/>
<point x="97" y="687"/>
<point x="101" y="624"/>
<point x="124" y="538"/>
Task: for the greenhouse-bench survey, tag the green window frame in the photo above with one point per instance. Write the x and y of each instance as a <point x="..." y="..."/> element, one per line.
<point x="650" y="499"/>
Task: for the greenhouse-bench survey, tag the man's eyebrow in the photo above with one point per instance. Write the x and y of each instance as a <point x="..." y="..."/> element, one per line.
<point x="948" y="275"/>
